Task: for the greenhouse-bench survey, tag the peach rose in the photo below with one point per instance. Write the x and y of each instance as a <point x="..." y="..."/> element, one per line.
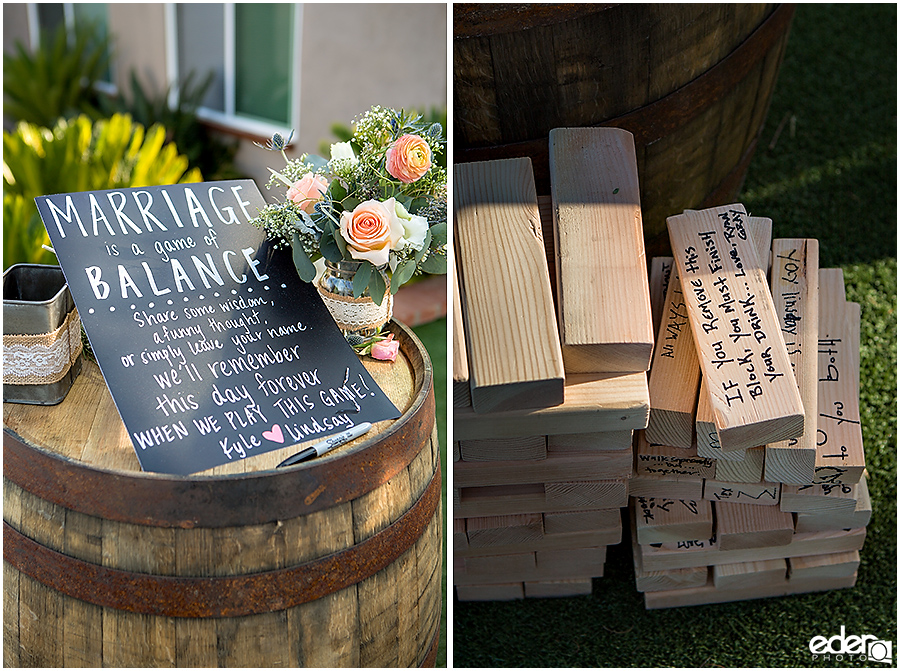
<point x="408" y="158"/>
<point x="372" y="230"/>
<point x="307" y="191"/>
<point x="385" y="350"/>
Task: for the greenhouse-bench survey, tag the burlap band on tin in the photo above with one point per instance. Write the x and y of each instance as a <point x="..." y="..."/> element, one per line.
<point x="44" y="358"/>
<point x="356" y="314"/>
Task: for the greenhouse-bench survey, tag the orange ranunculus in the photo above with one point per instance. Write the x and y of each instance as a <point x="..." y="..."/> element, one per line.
<point x="408" y="158"/>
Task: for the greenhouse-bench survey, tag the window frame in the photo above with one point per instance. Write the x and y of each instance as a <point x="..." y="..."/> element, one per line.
<point x="229" y="120"/>
<point x="34" y="39"/>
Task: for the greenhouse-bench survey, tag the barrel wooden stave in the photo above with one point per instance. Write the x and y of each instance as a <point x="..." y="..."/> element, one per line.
<point x="600" y="66"/>
<point x="346" y="627"/>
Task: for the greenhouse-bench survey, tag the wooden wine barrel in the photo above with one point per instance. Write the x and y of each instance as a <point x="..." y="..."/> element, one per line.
<point x="692" y="82"/>
<point x="333" y="562"/>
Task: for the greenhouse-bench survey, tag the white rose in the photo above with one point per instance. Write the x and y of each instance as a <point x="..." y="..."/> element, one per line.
<point x="414" y="228"/>
<point x="342" y="151"/>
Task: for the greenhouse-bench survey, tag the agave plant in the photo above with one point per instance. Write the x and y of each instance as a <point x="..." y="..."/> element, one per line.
<point x="77" y="155"/>
<point x="57" y="80"/>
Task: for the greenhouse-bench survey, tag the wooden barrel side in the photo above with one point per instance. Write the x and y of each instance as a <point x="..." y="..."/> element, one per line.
<point x="357" y="583"/>
<point x="243" y="499"/>
<point x="692" y="83"/>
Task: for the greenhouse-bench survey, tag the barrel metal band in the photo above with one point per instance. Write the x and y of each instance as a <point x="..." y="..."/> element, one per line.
<point x="214" y="597"/>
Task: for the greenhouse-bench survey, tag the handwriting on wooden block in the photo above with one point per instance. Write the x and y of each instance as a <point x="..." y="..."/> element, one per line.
<point x="761" y="494"/>
<point x="738" y="339"/>
<point x="671" y="462"/>
<point x="795" y="293"/>
<point x="840" y="457"/>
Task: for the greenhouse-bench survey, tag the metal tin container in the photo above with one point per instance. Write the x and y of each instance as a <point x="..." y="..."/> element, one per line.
<point x="36" y="300"/>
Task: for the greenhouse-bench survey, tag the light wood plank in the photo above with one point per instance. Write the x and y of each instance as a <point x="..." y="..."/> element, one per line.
<point x="740" y="526"/>
<point x="660" y="273"/>
<point x="557" y="467"/>
<point x="739" y="344"/>
<point x="840" y="457"/>
<point x="558" y="588"/>
<point x="504" y="530"/>
<point x="496" y="592"/>
<point x="795" y="293"/>
<point x="750" y="574"/>
<point x="819" y="498"/>
<point x="462" y="397"/>
<point x="674" y="375"/>
<point x="593" y="403"/>
<point x="672" y="463"/>
<point x="831" y="521"/>
<point x="569" y="541"/>
<point x="668" y="520"/>
<point x="541" y="498"/>
<point x="526" y="448"/>
<point x="515" y="360"/>
<point x="759" y="494"/>
<point x="750" y="469"/>
<point x="601" y="269"/>
<point x="837" y="565"/>
<point x="687" y="488"/>
<point x="707" y="553"/>
<point x="590" y="442"/>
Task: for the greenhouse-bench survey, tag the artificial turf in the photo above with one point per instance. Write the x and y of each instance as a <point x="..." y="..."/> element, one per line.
<point x="831" y="174"/>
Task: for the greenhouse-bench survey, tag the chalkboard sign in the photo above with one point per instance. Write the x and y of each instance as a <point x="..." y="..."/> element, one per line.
<point x="212" y="347"/>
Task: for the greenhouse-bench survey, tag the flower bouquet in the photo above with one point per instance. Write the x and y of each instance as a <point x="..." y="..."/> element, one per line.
<point x="375" y="212"/>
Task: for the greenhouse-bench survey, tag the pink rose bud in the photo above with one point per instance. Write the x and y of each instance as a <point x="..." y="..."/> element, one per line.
<point x="385" y="350"/>
<point x="307" y="191"/>
<point x="408" y="158"/>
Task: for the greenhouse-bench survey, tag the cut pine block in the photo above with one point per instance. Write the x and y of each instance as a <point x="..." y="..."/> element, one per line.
<point x="750" y="574"/>
<point x="504" y="530"/>
<point x="512" y="341"/>
<point x="705" y="428"/>
<point x="740" y="527"/>
<point x="670" y="520"/>
<point x="660" y="274"/>
<point x="795" y="292"/>
<point x="601" y="268"/>
<point x="671" y="462"/>
<point x="526" y="448"/>
<point x="674" y="375"/>
<point x="558" y="588"/>
<point x="840" y="457"/>
<point x="815" y="499"/>
<point x="818" y="567"/>
<point x="739" y="344"/>
<point x="557" y="467"/>
<point x="590" y="442"/>
<point x="462" y="397"/>
<point x="759" y="494"/>
<point x="749" y="469"/>
<point x="858" y="518"/>
<point x="497" y="592"/>
<point x="594" y="403"/>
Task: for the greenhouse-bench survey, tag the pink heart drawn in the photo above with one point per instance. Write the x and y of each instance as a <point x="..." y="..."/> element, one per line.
<point x="274" y="435"/>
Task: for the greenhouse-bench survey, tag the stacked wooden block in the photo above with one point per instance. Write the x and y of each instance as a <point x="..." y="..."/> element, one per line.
<point x="546" y="397"/>
<point x="750" y="477"/>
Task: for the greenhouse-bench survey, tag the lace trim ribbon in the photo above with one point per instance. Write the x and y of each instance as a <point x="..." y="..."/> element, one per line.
<point x="44" y="358"/>
<point x="355" y="314"/>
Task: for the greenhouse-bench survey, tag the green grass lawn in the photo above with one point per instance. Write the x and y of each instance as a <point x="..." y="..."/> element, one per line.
<point x="831" y="175"/>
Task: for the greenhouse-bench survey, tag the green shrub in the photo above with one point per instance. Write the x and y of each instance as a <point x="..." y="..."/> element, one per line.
<point x="213" y="157"/>
<point x="77" y="155"/>
<point x="56" y="80"/>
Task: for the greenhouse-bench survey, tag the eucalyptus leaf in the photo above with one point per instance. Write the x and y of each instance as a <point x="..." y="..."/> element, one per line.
<point x="340" y="242"/>
<point x="439" y="234"/>
<point x="402" y="274"/>
<point x="377" y="287"/>
<point x="435" y="264"/>
<point x="361" y="279"/>
<point x="305" y="268"/>
<point x="349" y="204"/>
<point x="317" y="162"/>
<point x="329" y="248"/>
<point x="336" y="190"/>
<point x="416" y="205"/>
